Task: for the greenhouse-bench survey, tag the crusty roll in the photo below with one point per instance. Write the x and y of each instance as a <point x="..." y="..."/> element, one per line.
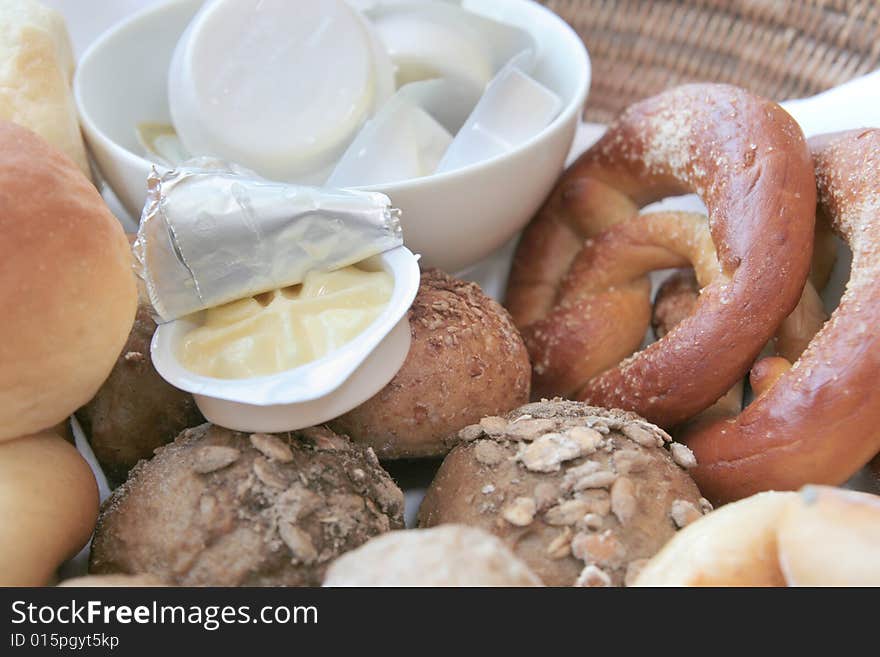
<point x="583" y="495"/>
<point x="223" y="508"/>
<point x="466" y="361"/>
<point x="48" y="507"/>
<point x="35" y="76"/>
<point x="135" y="410"/>
<point x="449" y="555"/>
<point x="67" y="289"/>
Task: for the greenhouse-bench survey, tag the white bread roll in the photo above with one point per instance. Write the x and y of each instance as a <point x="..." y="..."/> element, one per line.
<point x="822" y="536"/>
<point x="67" y="289"/>
<point x="732" y="546"/>
<point x="831" y="537"/>
<point x="48" y="507"/>
<point x="36" y="68"/>
<point x="112" y="581"/>
<point x="448" y="555"/>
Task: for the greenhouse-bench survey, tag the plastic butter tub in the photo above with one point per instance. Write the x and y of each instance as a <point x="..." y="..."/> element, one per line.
<point x="312" y="393"/>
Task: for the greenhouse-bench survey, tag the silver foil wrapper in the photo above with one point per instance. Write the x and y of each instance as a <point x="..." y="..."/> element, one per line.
<point x="212" y="234"/>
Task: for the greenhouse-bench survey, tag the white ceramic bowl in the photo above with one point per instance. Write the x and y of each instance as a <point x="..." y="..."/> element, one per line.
<point x="453" y="219"/>
<point x="312" y="393"/>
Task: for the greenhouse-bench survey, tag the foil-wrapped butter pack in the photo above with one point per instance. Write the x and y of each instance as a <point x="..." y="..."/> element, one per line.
<point x="211" y="234"/>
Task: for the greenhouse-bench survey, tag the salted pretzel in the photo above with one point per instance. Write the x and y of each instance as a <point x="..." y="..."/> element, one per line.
<point x="819" y="537"/>
<point x="748" y="161"/>
<point x="818" y="420"/>
<point x="605" y="322"/>
<point x="604" y="300"/>
<point x="677" y="297"/>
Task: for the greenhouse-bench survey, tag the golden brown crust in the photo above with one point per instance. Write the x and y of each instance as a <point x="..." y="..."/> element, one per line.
<point x="580" y="494"/>
<point x="48" y="507"/>
<point x="67" y="289"/>
<point x="222" y="508"/>
<point x="820" y="422"/>
<point x="603" y="305"/>
<point x="466" y="361"/>
<point x="135" y="410"/>
<point x="38" y="64"/>
<point x="747" y="159"/>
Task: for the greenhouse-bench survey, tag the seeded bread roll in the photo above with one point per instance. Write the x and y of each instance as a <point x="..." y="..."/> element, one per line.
<point x="222" y="508"/>
<point x="136" y="410"/>
<point x="583" y="495"/>
<point x="450" y="555"/>
<point x="466" y="361"/>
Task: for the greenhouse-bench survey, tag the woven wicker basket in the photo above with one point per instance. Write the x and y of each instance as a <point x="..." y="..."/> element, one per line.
<point x="777" y="48"/>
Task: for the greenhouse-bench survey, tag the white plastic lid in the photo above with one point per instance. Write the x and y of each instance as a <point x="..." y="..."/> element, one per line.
<point x="278" y="86"/>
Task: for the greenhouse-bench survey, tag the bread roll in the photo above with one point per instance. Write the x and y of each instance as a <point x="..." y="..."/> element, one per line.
<point x="450" y="555"/>
<point x="136" y="410"/>
<point x="820" y="536"/>
<point x="831" y="537"/>
<point x="112" y="581"/>
<point x="223" y="508"/>
<point x="466" y="361"/>
<point x="583" y="495"/>
<point x="48" y="507"/>
<point x="67" y="290"/>
<point x="36" y="68"/>
<point x="733" y="546"/>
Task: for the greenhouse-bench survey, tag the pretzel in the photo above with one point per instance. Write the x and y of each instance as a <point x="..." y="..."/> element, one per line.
<point x="748" y="161"/>
<point x="604" y="301"/>
<point x="819" y="537"/>
<point x="819" y="421"/>
<point x="604" y="323"/>
<point x="677" y="298"/>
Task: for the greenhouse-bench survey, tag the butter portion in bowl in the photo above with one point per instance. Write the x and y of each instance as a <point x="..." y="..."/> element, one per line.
<point x="286" y="328"/>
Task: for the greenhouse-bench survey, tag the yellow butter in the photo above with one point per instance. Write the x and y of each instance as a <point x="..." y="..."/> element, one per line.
<point x="286" y="328"/>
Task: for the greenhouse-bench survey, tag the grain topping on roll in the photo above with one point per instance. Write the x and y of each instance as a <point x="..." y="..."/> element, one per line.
<point x="466" y="361"/>
<point x="581" y="494"/>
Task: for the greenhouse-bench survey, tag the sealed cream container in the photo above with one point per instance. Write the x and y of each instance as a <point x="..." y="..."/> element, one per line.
<point x="278" y="86"/>
<point x="312" y="393"/>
